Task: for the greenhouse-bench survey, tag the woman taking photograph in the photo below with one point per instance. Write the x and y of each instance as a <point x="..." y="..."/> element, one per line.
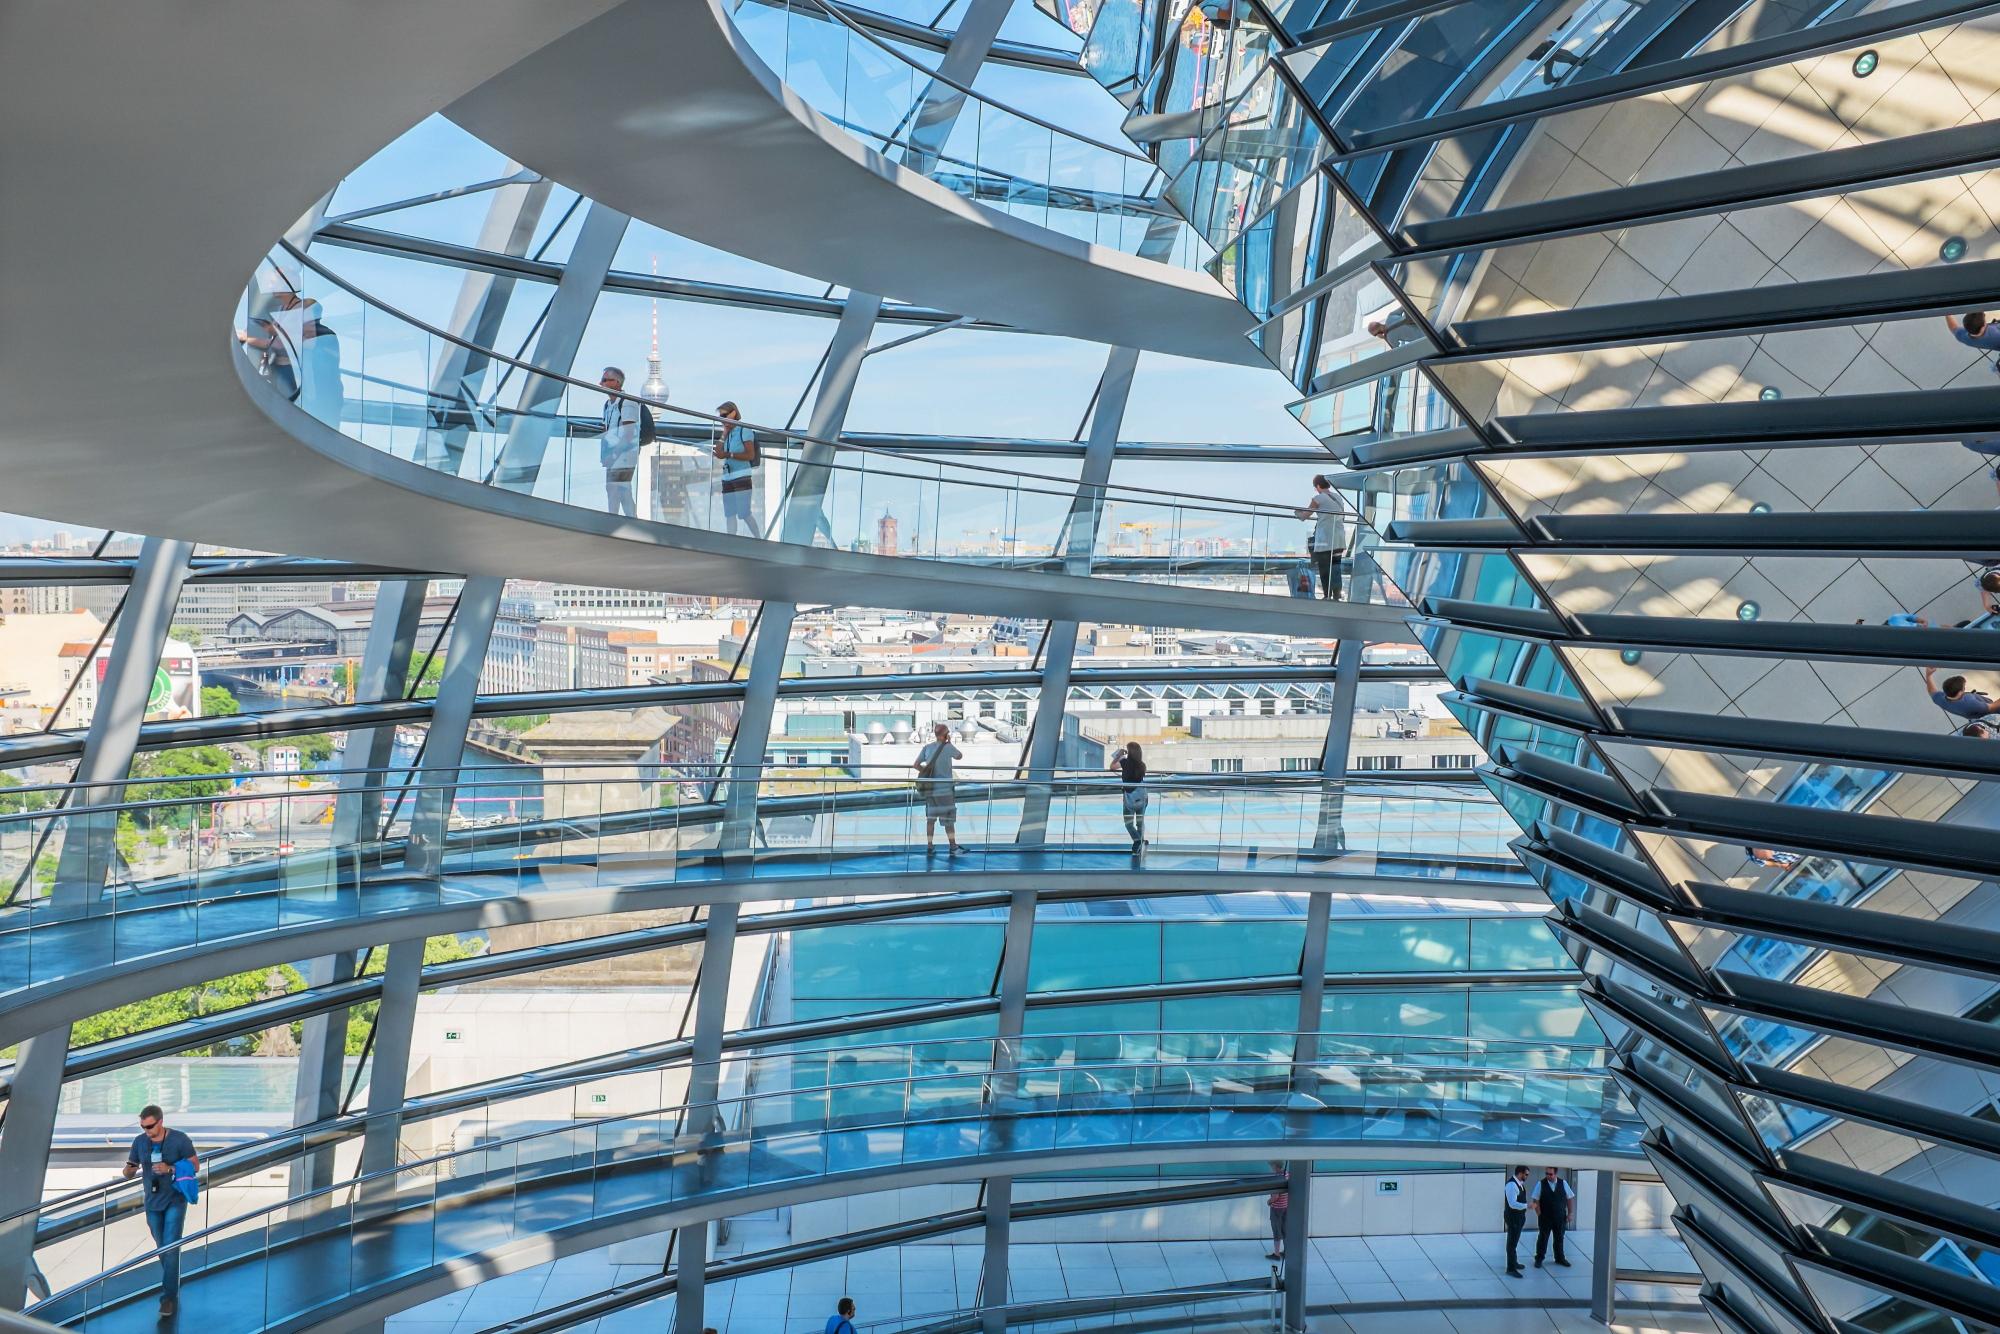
<point x="1130" y="763"/>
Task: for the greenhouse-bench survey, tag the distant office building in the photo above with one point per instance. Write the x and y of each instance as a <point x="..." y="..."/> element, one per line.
<point x="36" y="599"/>
<point x="208" y="606"/>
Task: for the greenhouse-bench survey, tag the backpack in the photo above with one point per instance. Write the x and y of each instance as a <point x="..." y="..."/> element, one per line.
<point x="649" y="430"/>
<point x="186" y="1183"/>
<point x="751" y="454"/>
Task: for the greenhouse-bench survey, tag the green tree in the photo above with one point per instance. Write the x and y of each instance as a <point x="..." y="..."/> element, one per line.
<point x="420" y="681"/>
<point x="214" y="997"/>
<point x="437" y="949"/>
<point x="187" y="634"/>
<point x="314" y="747"/>
<point x="526" y="722"/>
<point x="15" y="803"/>
<point x="217" y="702"/>
<point x="192" y="766"/>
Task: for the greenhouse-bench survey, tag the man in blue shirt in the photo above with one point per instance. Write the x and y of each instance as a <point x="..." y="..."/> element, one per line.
<point x="1955" y="699"/>
<point x="154" y="1153"/>
<point x="842" y="1319"/>
<point x="1974" y="330"/>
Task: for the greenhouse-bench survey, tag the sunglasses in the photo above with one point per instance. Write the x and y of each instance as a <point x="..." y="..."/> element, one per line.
<point x="149" y="1128"/>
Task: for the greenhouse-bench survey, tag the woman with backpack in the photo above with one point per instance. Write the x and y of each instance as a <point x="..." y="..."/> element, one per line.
<point x="1130" y="763"/>
<point x="933" y="766"/>
<point x="738" y="451"/>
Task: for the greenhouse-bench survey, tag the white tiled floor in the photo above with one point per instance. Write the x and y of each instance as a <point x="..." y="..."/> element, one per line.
<point x="924" y="1279"/>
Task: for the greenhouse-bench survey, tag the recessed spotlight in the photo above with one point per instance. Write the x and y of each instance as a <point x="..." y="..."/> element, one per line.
<point x="1865" y="63"/>
<point x="1770" y="393"/>
<point x="1953" y="249"/>
<point x="1630" y="657"/>
<point x="1747" y="611"/>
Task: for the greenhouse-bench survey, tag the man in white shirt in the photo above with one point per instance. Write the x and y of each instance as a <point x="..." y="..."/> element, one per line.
<point x="1514" y="1195"/>
<point x="1555" y="1210"/>
<point x="618" y="447"/>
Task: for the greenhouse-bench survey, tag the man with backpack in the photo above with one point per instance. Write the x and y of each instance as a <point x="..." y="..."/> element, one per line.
<point x="738" y="451"/>
<point x="628" y="427"/>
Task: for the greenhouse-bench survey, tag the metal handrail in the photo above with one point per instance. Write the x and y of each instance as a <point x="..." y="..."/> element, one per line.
<point x="1073" y="489"/>
<point x="331" y="1130"/>
<point x="702" y="1143"/>
<point x="405" y="780"/>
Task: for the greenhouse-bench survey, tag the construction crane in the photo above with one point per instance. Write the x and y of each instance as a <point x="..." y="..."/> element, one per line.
<point x="1145" y="526"/>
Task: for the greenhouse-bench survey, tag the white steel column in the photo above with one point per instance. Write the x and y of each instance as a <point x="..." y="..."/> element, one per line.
<point x="512" y="217"/>
<point x="1604" y="1251"/>
<point x="568" y="315"/>
<point x="451" y="714"/>
<point x="1330" y="835"/>
<point x="1114" y="388"/>
<point x="389" y="1061"/>
<point x="805" y="499"/>
<point x="113" y="738"/>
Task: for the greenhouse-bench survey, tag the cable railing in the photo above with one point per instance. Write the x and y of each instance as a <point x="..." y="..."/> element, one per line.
<point x="475" y="1199"/>
<point x="1012" y="160"/>
<point x="117" y="875"/>
<point x="355" y="365"/>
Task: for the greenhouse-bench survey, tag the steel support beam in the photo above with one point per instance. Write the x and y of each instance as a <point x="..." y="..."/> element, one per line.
<point x="804" y="504"/>
<point x="385" y="664"/>
<point x="938" y="107"/>
<point x="711" y="1014"/>
<point x="753" y="727"/>
<point x="1333" y="757"/>
<point x="998" y="1237"/>
<point x="569" y="311"/>
<point x="1723" y="62"/>
<point x="1107" y="419"/>
<point x="1912" y="157"/>
<point x="513" y="214"/>
<point x="113" y="738"/>
<point x="444" y="747"/>
<point x="1604" y="1252"/>
<point x="322" y="1053"/>
<point x="24" y="1156"/>
<point x="389" y="1060"/>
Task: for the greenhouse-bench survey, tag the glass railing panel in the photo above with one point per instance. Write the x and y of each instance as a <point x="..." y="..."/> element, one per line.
<point x="748" y="481"/>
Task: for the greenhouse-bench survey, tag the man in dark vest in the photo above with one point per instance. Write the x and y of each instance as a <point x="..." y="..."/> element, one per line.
<point x="1514" y="1199"/>
<point x="1555" y="1211"/>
